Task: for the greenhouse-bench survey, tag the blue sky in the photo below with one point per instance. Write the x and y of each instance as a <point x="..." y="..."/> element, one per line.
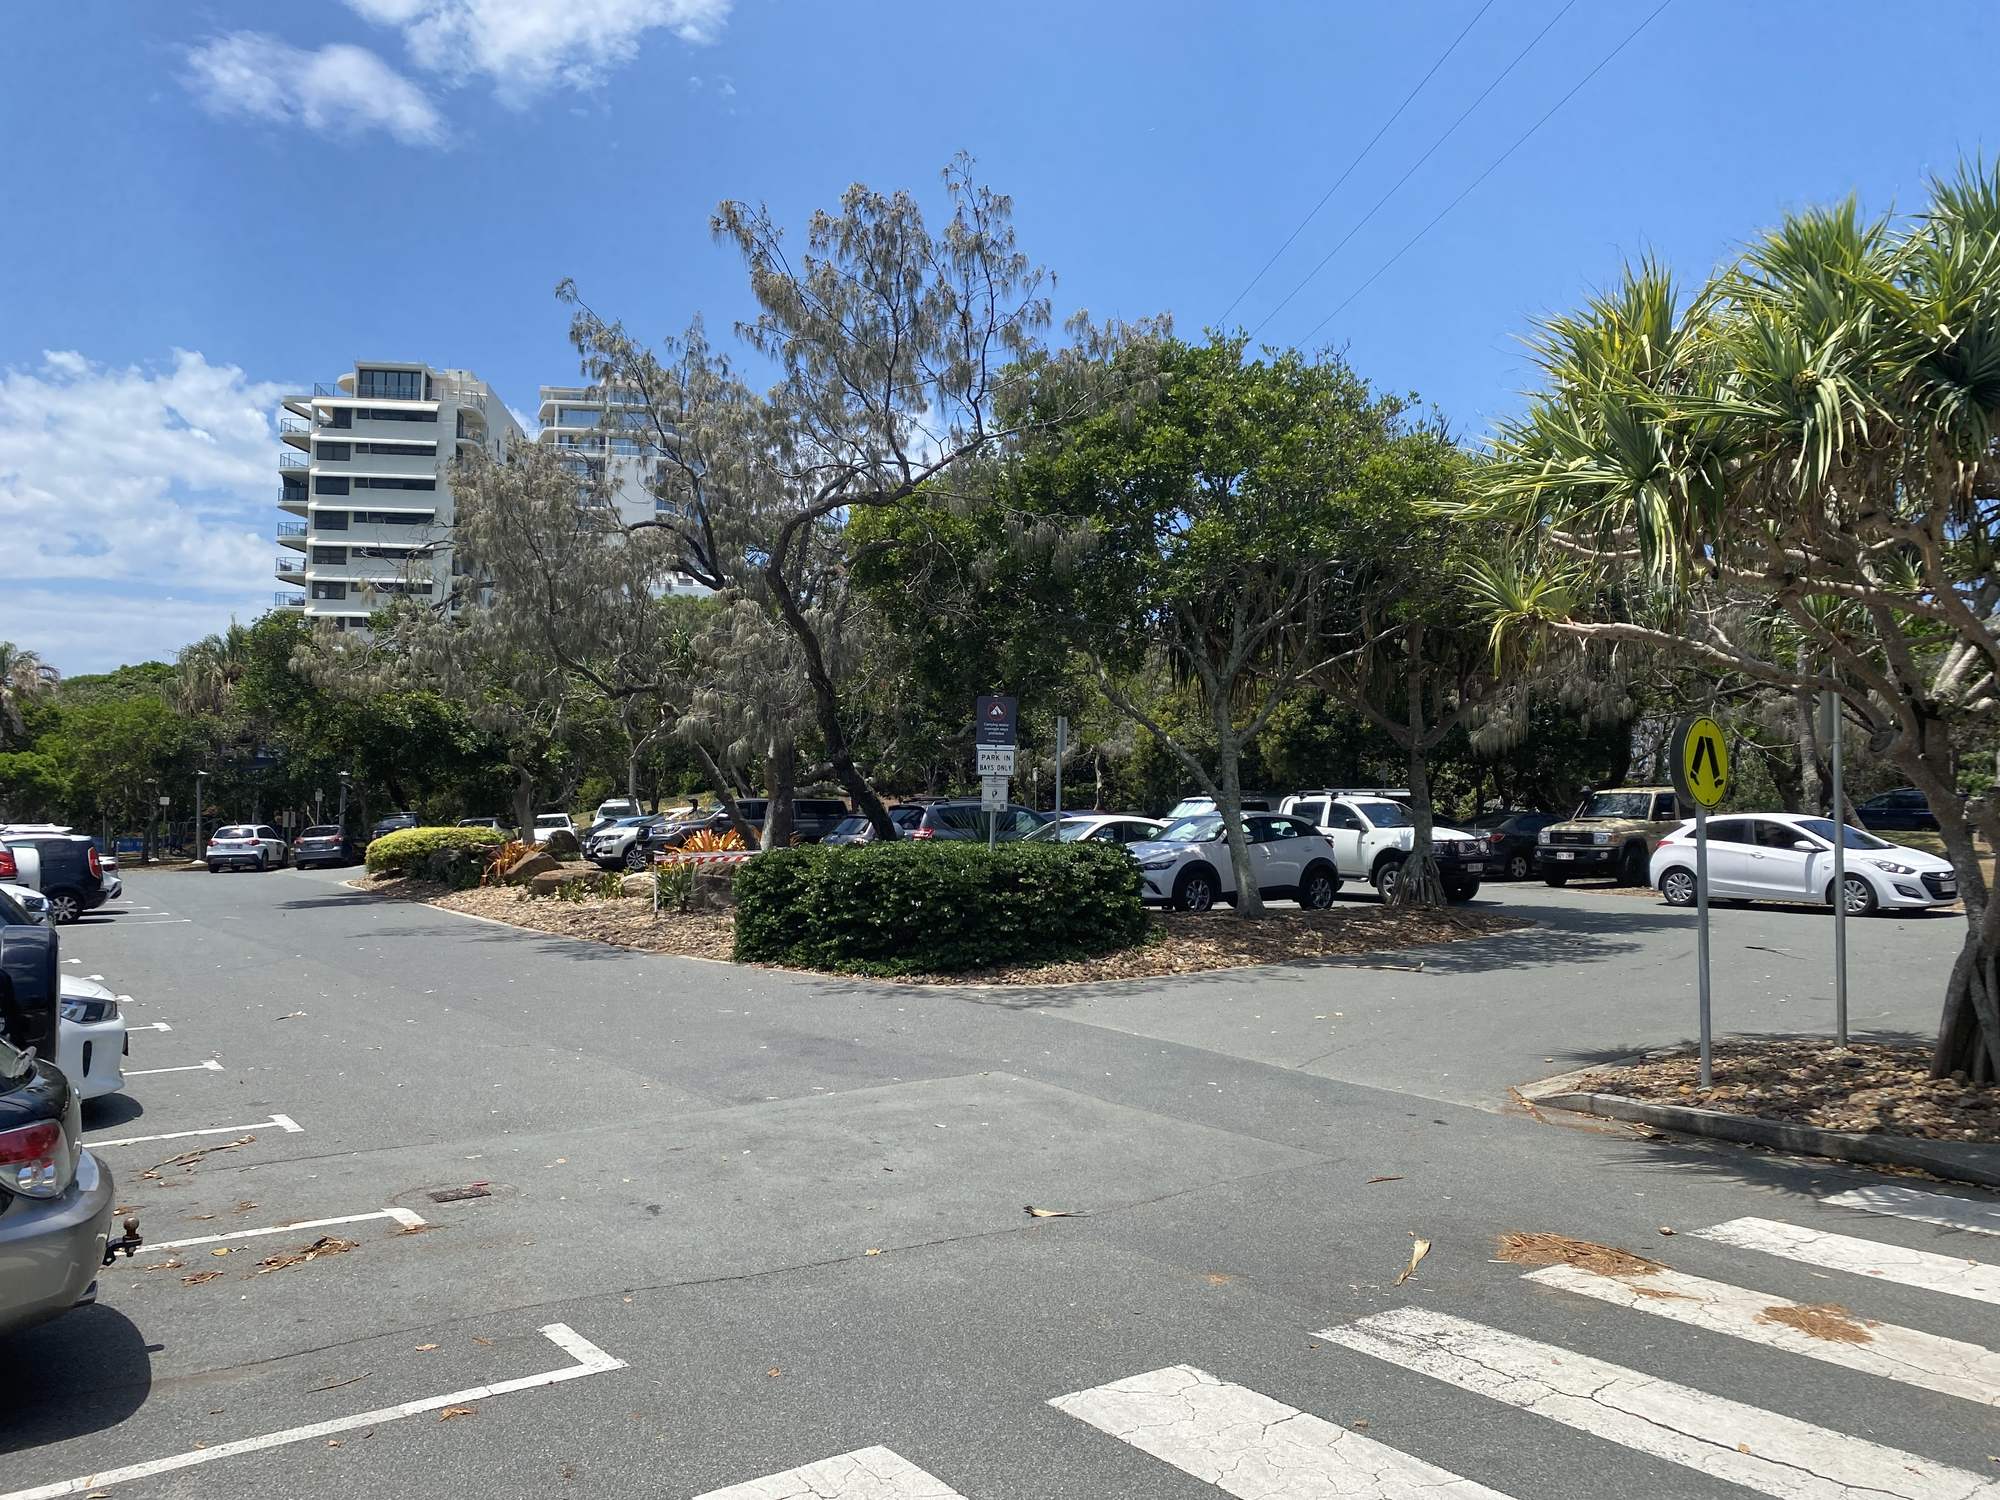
<point x="206" y="204"/>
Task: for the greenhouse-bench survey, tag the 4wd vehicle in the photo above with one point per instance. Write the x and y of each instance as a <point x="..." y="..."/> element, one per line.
<point x="609" y="847"/>
<point x="246" y="846"/>
<point x="324" y="844"/>
<point x="1188" y="866"/>
<point x="65" y="867"/>
<point x="1613" y="834"/>
<point x="856" y="829"/>
<point x="1372" y="833"/>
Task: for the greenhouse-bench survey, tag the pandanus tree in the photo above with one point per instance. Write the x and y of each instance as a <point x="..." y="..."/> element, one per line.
<point x="1810" y="434"/>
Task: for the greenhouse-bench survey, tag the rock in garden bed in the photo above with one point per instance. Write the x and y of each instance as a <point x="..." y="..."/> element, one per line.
<point x="1868" y="1087"/>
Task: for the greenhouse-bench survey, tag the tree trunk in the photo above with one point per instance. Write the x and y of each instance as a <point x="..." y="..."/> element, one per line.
<point x="524" y="803"/>
<point x="1969" y="1030"/>
<point x="1420" y="884"/>
<point x="745" y="829"/>
<point x="780" y="777"/>
<point x="1229" y="803"/>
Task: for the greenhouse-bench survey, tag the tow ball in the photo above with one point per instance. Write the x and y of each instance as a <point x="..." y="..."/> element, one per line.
<point x="128" y="1242"/>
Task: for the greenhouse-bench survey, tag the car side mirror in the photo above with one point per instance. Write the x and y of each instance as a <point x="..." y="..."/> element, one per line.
<point x="1805" y="846"/>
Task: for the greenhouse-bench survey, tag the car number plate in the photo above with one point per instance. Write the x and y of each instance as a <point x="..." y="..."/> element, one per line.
<point x="1948" y="887"/>
<point x="1475" y="868"/>
<point x="1565" y="854"/>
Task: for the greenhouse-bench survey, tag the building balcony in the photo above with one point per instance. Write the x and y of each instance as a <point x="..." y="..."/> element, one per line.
<point x="291" y="569"/>
<point x="294" y="431"/>
<point x="293" y="463"/>
<point x="293" y="500"/>
<point x="293" y="533"/>
<point x="285" y="599"/>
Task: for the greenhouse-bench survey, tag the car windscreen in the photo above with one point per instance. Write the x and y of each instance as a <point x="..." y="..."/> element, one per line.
<point x="1619" y="805"/>
<point x="1856" y="839"/>
<point x="1049" y="833"/>
<point x="1189" y="807"/>
<point x="854" y="824"/>
<point x="326" y="832"/>
<point x="906" y="817"/>
<point x="1198" y="830"/>
<point x="1385" y="814"/>
<point x="245" y="831"/>
<point x="12" y="914"/>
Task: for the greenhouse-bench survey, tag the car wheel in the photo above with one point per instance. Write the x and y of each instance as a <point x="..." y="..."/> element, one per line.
<point x="1677" y="886"/>
<point x="636" y="861"/>
<point x="1632" y="865"/>
<point x="1388" y="877"/>
<point x="214" y="868"/>
<point x="261" y="864"/>
<point x="1317" y="891"/>
<point x="1195" y="891"/>
<point x="1518" y="867"/>
<point x="1861" y="898"/>
<point x="1461" y="890"/>
<point x="64" y="907"/>
<point x="1558" y="881"/>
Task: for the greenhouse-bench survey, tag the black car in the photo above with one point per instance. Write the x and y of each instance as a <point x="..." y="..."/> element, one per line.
<point x="715" y="821"/>
<point x="856" y="829"/>
<point x="966" y="820"/>
<point x="324" y="844"/>
<point x="1510" y="840"/>
<point x="73" y="877"/>
<point x="394" y="823"/>
<point x="1905" y="808"/>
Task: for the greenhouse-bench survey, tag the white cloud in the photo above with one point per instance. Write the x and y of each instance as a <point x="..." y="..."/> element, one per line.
<point x="138" y="505"/>
<point x="337" y="90"/>
<point x="527" y="46"/>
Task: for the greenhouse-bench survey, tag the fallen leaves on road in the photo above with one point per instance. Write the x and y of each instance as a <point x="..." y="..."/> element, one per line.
<point x="482" y="1343"/>
<point x="1665" y="1229"/>
<point x="334" y="1385"/>
<point x="221" y="1252"/>
<point x="456" y="1411"/>
<point x="871" y="1252"/>
<point x="417" y="1229"/>
<point x="1528" y="1104"/>
<point x="1418" y="1251"/>
<point x="425" y="1348"/>
<point x="1051" y="1213"/>
<point x="326" y="1244"/>
<point x="1529" y="1248"/>
<point x="169" y="1264"/>
<point x="290" y="1015"/>
<point x="196" y="1278"/>
<point x="774" y="1372"/>
<point x="1373" y="1180"/>
<point x="1821" y="1320"/>
<point x="187" y="1159"/>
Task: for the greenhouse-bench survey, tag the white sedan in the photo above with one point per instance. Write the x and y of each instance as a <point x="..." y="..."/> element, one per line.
<point x="1788" y="857"/>
<point x="1097" y="828"/>
<point x="1188" y="865"/>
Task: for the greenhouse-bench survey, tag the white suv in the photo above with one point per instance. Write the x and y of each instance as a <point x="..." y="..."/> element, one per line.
<point x="1188" y="866"/>
<point x="247" y="846"/>
<point x="1372" y="833"/>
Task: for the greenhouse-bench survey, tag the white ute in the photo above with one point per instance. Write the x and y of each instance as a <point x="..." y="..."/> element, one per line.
<point x="1372" y="833"/>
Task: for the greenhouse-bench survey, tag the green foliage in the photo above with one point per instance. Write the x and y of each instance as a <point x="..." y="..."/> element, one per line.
<point x="673" y="885"/>
<point x="915" y="907"/>
<point x="596" y="887"/>
<point x="407" y="848"/>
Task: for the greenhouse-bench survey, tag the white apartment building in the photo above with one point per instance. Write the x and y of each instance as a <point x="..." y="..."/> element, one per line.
<point x="365" y="471"/>
<point x="607" y="439"/>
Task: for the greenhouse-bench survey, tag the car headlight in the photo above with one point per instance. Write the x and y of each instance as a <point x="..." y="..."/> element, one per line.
<point x="1159" y="862"/>
<point x="1600" y="838"/>
<point x="1543" y="837"/>
<point x="89" y="1012"/>
<point x="1892" y="869"/>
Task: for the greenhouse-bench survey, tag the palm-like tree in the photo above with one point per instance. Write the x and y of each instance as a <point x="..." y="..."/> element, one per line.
<point x="24" y="677"/>
<point x="1810" y="438"/>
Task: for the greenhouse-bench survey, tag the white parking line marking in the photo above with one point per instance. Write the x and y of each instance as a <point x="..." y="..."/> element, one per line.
<point x="1249" y="1445"/>
<point x="590" y="1360"/>
<point x="155" y="921"/>
<point x="211" y="1066"/>
<point x="1760" y="1450"/>
<point x="1925" y="1208"/>
<point x="865" y="1474"/>
<point x="401" y="1215"/>
<point x="1949" y="1366"/>
<point x="283" y="1122"/>
<point x="150" y="1026"/>
<point x="1840" y="1252"/>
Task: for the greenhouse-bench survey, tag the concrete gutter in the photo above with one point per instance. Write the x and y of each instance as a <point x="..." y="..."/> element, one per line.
<point x="1954" y="1161"/>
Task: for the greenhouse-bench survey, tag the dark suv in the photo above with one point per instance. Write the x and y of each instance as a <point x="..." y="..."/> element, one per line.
<point x="965" y="820"/>
<point x="73" y="878"/>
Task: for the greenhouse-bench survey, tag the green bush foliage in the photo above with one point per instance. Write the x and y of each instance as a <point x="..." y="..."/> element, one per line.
<point x="408" y="848"/>
<point x="913" y="907"/>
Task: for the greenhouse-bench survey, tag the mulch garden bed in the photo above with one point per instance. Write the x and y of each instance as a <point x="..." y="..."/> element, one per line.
<point x="1179" y="943"/>
<point x="1867" y="1087"/>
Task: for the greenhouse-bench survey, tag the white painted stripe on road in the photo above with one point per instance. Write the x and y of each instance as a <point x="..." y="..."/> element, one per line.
<point x="1839" y="1252"/>
<point x="1951" y="1367"/>
<point x="283" y="1122"/>
<point x="590" y="1360"/>
<point x="149" y="1026"/>
<point x="1760" y="1450"/>
<point x="400" y="1215"/>
<point x="211" y="1066"/>
<point x="865" y="1474"/>
<point x="155" y="921"/>
<point x="1925" y="1208"/>
<point x="1249" y="1445"/>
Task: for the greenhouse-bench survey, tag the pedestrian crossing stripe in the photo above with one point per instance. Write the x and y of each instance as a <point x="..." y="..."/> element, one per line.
<point x="865" y="1474"/>
<point x="1922" y="1269"/>
<point x="1727" y="1440"/>
<point x="1967" y="1214"/>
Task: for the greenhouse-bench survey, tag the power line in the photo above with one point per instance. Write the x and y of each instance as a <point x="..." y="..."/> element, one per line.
<point x="1534" y="42"/>
<point x="1300" y="228"/>
<point x="1630" y="37"/>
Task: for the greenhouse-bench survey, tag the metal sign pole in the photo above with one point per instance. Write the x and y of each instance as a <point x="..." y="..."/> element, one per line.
<point x="1062" y="748"/>
<point x="1832" y="719"/>
<point x="1701" y="938"/>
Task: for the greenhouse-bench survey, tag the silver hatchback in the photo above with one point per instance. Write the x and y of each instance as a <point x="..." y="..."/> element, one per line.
<point x="55" y="1199"/>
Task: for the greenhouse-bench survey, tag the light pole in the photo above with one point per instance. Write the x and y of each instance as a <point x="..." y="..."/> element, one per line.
<point x="152" y="815"/>
<point x="199" y="778"/>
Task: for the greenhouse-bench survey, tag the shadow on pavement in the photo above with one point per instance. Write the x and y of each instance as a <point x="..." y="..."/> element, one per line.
<point x="83" y="1372"/>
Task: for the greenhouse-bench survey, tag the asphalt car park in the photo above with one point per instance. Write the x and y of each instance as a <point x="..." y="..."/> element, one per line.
<point x="606" y="1214"/>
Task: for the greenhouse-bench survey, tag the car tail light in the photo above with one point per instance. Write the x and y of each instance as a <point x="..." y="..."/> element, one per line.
<point x="1665" y="839"/>
<point x="96" y="864"/>
<point x="35" y="1160"/>
<point x="1496" y="837"/>
<point x="8" y="869"/>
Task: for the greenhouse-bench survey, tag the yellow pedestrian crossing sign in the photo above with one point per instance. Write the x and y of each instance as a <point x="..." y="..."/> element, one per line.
<point x="1701" y="761"/>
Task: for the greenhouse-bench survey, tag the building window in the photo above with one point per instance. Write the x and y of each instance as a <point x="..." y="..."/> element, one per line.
<point x="401" y="450"/>
<point x="340" y="416"/>
<point x="338" y="453"/>
<point x="329" y="591"/>
<point x="329" y="554"/>
<point x="330" y="520"/>
<point x="395" y="484"/>
<point x="392" y="518"/>
<point x="392" y="414"/>
<point x="392" y="385"/>
<point x="326" y="484"/>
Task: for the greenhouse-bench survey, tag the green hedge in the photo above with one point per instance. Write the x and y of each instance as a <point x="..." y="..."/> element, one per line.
<point x="920" y="907"/>
<point x="409" y="846"/>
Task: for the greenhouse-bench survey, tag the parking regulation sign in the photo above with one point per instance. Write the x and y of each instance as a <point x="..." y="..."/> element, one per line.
<point x="993" y="721"/>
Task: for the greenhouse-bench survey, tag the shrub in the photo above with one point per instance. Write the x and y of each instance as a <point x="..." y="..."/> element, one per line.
<point x="673" y="884"/>
<point x="706" y="841"/>
<point x="600" y="886"/>
<point x="503" y="858"/>
<point x="408" y="847"/>
<point x="911" y="907"/>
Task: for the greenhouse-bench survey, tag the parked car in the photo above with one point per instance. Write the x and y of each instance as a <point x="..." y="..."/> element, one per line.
<point x="55" y="1208"/>
<point x="856" y="828"/>
<point x="1188" y="867"/>
<point x="1099" y="828"/>
<point x="1510" y="840"/>
<point x="1788" y="857"/>
<point x="966" y="820"/>
<point x="394" y="823"/>
<point x="484" y="823"/>
<point x="1194" y="807"/>
<point x="612" y="809"/>
<point x="324" y="844"/>
<point x="623" y="845"/>
<point x="1612" y="834"/>
<point x="1905" y="809"/>
<point x="715" y="820"/>
<point x="34" y="907"/>
<point x="246" y="846"/>
<point x="91" y="1044"/>
<point x="1372" y="833"/>
<point x="548" y="823"/>
<point x="65" y="867"/>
